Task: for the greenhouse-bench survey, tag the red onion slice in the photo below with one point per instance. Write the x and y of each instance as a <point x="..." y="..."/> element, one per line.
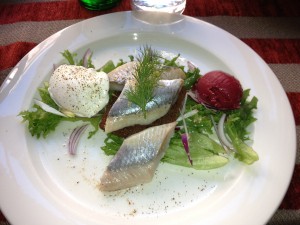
<point x="185" y="136"/>
<point x="54" y="67"/>
<point x="219" y="129"/>
<point x="185" y="142"/>
<point x="187" y="115"/>
<point x="74" y="138"/>
<point x="86" y="57"/>
<point x="48" y="108"/>
<point x="191" y="66"/>
<point x="193" y="96"/>
<point x="222" y="134"/>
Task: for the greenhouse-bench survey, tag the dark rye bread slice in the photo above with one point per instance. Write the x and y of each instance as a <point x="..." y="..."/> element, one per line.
<point x="171" y="116"/>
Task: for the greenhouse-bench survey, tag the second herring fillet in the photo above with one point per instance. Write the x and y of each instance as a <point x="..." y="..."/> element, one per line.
<point x="137" y="158"/>
<point x="124" y="113"/>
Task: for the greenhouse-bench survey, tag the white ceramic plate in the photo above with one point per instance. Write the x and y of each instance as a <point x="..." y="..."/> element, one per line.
<point x="42" y="184"/>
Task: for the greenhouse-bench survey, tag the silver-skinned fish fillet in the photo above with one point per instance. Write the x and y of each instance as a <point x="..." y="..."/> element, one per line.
<point x="125" y="113"/>
<point x="119" y="76"/>
<point x="137" y="158"/>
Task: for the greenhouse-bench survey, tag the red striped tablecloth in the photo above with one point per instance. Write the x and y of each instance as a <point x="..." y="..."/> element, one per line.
<point x="270" y="27"/>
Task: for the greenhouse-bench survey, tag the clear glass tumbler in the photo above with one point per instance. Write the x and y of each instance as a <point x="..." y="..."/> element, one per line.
<point x="170" y="6"/>
<point x="99" y="4"/>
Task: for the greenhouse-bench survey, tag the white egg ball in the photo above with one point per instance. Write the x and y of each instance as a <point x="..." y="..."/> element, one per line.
<point x="79" y="90"/>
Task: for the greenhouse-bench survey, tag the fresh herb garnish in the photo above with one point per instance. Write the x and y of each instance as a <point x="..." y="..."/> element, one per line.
<point x="146" y="76"/>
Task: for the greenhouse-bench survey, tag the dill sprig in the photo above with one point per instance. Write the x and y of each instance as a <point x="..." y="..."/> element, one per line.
<point x="146" y="76"/>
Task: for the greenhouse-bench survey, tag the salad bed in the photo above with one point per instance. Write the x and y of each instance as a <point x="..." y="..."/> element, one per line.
<point x="205" y="137"/>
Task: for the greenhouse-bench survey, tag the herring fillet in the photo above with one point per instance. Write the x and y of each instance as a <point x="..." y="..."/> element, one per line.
<point x="137" y="158"/>
<point x="124" y="113"/>
<point x="120" y="75"/>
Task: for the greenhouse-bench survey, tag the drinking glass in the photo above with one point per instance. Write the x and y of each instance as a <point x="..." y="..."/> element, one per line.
<point x="170" y="6"/>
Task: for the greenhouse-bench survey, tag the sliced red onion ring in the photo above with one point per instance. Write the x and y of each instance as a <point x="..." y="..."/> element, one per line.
<point x="222" y="134"/>
<point x="177" y="128"/>
<point x="185" y="142"/>
<point x="191" y="66"/>
<point x="48" y="108"/>
<point x="187" y="115"/>
<point x="74" y="138"/>
<point x="193" y="96"/>
<point x="86" y="57"/>
<point x="185" y="136"/>
<point x="54" y="67"/>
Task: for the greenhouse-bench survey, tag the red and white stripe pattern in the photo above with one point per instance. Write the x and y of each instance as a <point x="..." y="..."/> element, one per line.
<point x="270" y="27"/>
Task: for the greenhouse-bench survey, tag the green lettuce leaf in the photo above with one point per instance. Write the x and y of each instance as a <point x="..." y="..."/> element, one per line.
<point x="244" y="153"/>
<point x="40" y="123"/>
<point x="205" y="153"/>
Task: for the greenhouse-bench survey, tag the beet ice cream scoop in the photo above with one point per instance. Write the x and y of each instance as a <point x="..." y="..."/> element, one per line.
<point x="219" y="90"/>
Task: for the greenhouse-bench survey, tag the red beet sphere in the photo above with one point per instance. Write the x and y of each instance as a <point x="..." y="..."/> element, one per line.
<point x="219" y="90"/>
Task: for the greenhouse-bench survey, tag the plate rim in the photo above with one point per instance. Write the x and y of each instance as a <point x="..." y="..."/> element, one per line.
<point x="45" y="44"/>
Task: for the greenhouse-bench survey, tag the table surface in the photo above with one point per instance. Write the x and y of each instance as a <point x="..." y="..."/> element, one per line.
<point x="270" y="27"/>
